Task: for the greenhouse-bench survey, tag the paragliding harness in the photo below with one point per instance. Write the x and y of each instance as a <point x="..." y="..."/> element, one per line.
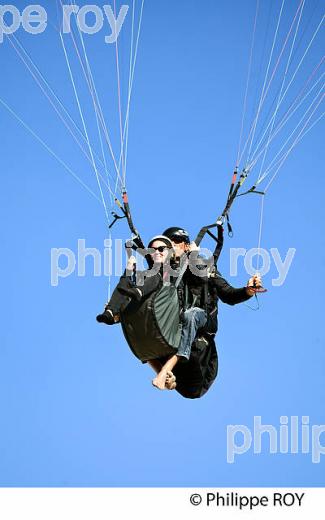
<point x="152" y="327"/>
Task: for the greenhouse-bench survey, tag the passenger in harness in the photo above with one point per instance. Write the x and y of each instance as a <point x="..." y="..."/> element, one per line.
<point x="126" y="288"/>
<point x="127" y="291"/>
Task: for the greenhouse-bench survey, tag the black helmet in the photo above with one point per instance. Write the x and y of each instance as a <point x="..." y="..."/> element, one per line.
<point x="177" y="234"/>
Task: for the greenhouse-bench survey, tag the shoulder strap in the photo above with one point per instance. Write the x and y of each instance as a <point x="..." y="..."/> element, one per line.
<point x="181" y="272"/>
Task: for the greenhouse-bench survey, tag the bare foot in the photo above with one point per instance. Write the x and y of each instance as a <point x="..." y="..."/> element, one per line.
<point x="160" y="380"/>
<point x="170" y="381"/>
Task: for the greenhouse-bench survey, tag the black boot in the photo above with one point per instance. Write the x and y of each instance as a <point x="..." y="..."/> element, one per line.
<point x="106" y="317"/>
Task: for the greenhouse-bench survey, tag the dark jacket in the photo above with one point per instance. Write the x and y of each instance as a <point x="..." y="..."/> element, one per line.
<point x="205" y="292"/>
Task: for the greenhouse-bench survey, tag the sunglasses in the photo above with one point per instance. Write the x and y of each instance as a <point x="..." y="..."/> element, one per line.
<point x="161" y="249"/>
<point x="177" y="240"/>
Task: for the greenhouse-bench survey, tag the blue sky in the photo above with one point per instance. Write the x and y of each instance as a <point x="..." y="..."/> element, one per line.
<point x="77" y="409"/>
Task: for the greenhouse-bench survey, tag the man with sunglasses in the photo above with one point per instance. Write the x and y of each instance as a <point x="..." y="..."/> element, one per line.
<point x="199" y="290"/>
<point x="214" y="285"/>
<point x="199" y="294"/>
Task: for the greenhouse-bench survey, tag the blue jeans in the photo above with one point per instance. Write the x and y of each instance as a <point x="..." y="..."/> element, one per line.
<point x="193" y="319"/>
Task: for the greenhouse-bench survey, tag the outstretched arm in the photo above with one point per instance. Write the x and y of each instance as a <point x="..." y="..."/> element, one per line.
<point x="229" y="294"/>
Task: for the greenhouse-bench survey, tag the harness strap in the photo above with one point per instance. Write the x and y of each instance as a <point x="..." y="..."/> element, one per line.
<point x="181" y="273"/>
<point x="137" y="239"/>
<point x="219" y="238"/>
